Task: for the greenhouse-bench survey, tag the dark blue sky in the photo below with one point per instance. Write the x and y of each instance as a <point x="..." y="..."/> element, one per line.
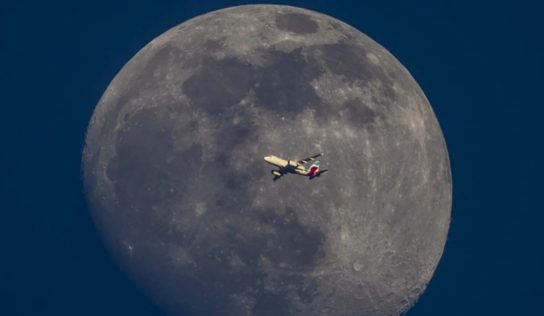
<point x="480" y="63"/>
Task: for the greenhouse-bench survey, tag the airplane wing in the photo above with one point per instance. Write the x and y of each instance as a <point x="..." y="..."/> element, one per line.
<point x="307" y="160"/>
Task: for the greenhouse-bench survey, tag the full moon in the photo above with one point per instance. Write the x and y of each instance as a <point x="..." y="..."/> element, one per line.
<point x="175" y="177"/>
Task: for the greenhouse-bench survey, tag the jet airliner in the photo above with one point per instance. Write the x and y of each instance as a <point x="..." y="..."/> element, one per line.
<point x="295" y="166"/>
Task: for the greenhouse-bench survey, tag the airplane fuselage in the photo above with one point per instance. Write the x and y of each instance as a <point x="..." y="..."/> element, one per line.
<point x="286" y="166"/>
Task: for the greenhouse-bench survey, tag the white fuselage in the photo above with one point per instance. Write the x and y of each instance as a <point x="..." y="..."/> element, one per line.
<point x="283" y="164"/>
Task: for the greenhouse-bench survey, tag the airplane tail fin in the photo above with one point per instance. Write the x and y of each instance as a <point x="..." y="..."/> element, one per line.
<point x="313" y="169"/>
<point x="317" y="173"/>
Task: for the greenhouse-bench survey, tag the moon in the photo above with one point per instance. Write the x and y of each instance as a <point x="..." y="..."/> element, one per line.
<point x="174" y="173"/>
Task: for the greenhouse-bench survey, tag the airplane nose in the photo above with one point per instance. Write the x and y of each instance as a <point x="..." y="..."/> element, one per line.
<point x="267" y="158"/>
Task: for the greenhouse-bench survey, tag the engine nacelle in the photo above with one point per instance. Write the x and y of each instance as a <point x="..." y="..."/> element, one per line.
<point x="276" y="173"/>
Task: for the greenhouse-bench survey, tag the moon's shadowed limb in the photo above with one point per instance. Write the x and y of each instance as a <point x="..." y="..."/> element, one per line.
<point x="175" y="178"/>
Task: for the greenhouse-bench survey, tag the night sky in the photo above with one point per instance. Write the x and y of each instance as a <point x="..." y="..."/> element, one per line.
<point x="480" y="63"/>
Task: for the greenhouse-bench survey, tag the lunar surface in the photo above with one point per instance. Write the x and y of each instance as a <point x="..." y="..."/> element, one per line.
<point x="175" y="177"/>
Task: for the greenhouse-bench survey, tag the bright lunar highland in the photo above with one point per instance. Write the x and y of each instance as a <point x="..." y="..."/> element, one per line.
<point x="175" y="177"/>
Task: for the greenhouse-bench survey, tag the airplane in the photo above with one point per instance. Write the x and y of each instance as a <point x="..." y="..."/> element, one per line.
<point x="295" y="166"/>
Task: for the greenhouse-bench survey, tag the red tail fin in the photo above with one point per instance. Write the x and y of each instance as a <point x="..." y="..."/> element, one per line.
<point x="314" y="171"/>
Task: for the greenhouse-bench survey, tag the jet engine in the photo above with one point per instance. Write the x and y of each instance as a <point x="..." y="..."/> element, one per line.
<point x="276" y="173"/>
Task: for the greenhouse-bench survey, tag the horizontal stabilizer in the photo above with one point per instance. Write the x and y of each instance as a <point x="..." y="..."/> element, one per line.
<point x="306" y="160"/>
<point x="322" y="171"/>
